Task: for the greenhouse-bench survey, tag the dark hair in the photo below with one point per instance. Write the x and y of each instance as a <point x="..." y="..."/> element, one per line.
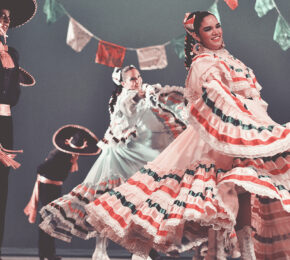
<point x="125" y="70"/>
<point x="113" y="98"/>
<point x="118" y="89"/>
<point x="8" y="7"/>
<point x="189" y="40"/>
<point x="5" y="6"/>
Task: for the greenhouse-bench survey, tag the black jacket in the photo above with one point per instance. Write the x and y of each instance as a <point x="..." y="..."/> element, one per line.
<point x="56" y="166"/>
<point x="9" y="81"/>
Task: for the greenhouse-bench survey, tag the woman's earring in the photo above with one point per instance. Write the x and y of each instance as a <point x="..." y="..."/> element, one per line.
<point x="196" y="48"/>
<point x="223" y="44"/>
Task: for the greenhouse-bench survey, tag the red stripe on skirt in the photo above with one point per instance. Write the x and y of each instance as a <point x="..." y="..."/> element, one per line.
<point x="111" y="212"/>
<point x="284" y="169"/>
<point x="164" y="188"/>
<point x="270" y="216"/>
<point x="256" y="181"/>
<point x="277" y="255"/>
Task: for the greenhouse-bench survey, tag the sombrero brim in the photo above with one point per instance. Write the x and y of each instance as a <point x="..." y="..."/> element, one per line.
<point x="25" y="79"/>
<point x="21" y="11"/>
<point x="67" y="131"/>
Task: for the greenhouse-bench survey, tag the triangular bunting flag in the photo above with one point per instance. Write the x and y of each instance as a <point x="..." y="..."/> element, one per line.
<point x="53" y="10"/>
<point x="282" y="33"/>
<point x="263" y="6"/>
<point x="178" y="45"/>
<point x="214" y="10"/>
<point x="233" y="4"/>
<point x="110" y="54"/>
<point x="77" y="36"/>
<point x="152" y="57"/>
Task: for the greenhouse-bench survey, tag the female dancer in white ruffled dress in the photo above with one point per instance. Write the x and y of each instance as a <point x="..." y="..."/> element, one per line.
<point x="204" y="179"/>
<point x="144" y="120"/>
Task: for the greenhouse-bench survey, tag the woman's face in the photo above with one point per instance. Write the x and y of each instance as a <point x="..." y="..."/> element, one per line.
<point x="132" y="80"/>
<point x="4" y="21"/>
<point x="210" y="33"/>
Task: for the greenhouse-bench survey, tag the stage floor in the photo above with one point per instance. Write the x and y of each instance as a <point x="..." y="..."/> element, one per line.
<point x="63" y="258"/>
<point x="84" y="258"/>
<point x="75" y="254"/>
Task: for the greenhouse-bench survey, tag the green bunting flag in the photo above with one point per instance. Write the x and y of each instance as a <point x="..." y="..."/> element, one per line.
<point x="178" y="45"/>
<point x="262" y="7"/>
<point x="214" y="10"/>
<point x="53" y="10"/>
<point x="282" y="33"/>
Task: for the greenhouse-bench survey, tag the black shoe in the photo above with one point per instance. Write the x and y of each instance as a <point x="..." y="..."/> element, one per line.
<point x="154" y="255"/>
<point x="49" y="258"/>
<point x="54" y="258"/>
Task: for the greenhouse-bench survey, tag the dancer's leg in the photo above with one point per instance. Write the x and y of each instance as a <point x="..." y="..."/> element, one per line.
<point x="100" y="252"/>
<point x="243" y="227"/>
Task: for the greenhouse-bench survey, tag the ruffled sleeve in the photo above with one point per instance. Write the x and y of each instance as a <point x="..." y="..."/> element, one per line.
<point x="127" y="102"/>
<point x="122" y="121"/>
<point x="222" y="117"/>
<point x="203" y="66"/>
<point x="168" y="104"/>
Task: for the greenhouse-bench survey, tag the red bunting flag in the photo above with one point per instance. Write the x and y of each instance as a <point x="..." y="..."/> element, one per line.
<point x="110" y="54"/>
<point x="233" y="4"/>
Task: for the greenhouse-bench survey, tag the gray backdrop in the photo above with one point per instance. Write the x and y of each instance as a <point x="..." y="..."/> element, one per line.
<point x="71" y="88"/>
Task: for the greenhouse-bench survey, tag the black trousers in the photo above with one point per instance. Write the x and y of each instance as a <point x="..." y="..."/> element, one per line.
<point x="6" y="140"/>
<point x="46" y="243"/>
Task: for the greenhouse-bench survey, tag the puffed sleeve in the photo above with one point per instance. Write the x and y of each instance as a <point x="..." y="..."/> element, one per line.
<point x="123" y="120"/>
<point x="127" y="102"/>
<point x="202" y="69"/>
<point x="223" y="119"/>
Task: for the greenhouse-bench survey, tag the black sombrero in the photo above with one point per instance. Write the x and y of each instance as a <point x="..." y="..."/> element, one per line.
<point x="25" y="78"/>
<point x="21" y="11"/>
<point x="76" y="139"/>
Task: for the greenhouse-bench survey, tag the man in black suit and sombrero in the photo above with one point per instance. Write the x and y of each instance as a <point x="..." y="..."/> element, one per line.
<point x="13" y="13"/>
<point x="70" y="141"/>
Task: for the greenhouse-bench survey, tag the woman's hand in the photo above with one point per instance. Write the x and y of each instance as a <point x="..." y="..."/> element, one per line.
<point x="141" y="93"/>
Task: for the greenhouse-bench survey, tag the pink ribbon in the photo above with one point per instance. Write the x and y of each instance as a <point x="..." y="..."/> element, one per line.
<point x="74" y="161"/>
<point x="7" y="156"/>
<point x="188" y="23"/>
<point x="31" y="208"/>
<point x="5" y="110"/>
<point x="6" y="59"/>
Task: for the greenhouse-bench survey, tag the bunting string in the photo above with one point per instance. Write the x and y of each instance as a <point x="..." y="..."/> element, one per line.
<point x="151" y="57"/>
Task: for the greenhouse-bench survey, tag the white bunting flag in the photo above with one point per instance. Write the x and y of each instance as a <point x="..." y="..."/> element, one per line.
<point x="77" y="35"/>
<point x="152" y="57"/>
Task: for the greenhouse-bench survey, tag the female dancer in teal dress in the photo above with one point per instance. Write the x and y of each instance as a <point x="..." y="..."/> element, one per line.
<point x="204" y="179"/>
<point x="144" y="119"/>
